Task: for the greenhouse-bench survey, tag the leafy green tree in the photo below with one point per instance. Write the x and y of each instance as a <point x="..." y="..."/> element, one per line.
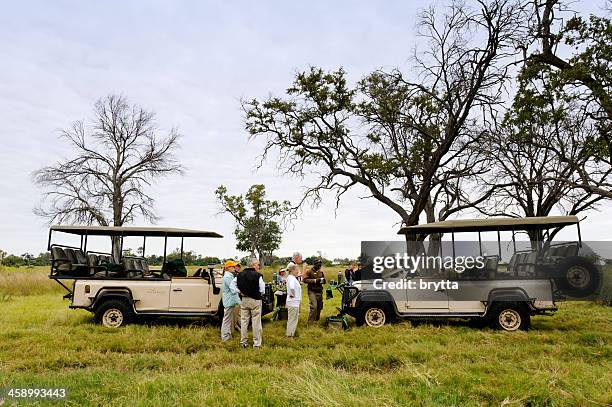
<point x="43" y="259"/>
<point x="206" y="260"/>
<point x="154" y="260"/>
<point x="12" y="261"/>
<point x="540" y="152"/>
<point x="404" y="139"/>
<point x="578" y="51"/>
<point x="310" y="261"/>
<point x="257" y="219"/>
<point x="27" y="258"/>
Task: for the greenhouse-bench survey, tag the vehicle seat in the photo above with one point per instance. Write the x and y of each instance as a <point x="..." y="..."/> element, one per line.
<point x="93" y="261"/>
<point x="530" y="263"/>
<point x="105" y="258"/>
<point x="520" y="263"/>
<point x="78" y="261"/>
<point x="103" y="266"/>
<point x="526" y="264"/>
<point x="570" y="250"/>
<point x="133" y="267"/>
<point x="59" y="259"/>
<point x="490" y="268"/>
<point x="512" y="263"/>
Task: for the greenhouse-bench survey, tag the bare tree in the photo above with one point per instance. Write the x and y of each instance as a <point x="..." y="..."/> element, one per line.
<point x="405" y="140"/>
<point x="117" y="157"/>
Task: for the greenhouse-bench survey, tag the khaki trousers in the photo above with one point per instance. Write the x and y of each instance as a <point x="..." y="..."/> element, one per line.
<point x="316" y="305"/>
<point x="227" y="326"/>
<point x="293" y="316"/>
<point x="250" y="310"/>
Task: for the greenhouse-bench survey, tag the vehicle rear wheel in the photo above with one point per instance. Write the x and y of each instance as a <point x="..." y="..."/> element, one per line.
<point x="375" y="315"/>
<point x="510" y="317"/>
<point x="114" y="313"/>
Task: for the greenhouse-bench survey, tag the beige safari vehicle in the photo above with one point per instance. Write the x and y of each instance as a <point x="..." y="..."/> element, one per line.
<point x="120" y="290"/>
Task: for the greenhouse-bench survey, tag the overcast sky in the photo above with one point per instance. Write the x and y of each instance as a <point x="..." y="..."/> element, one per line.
<point x="191" y="62"/>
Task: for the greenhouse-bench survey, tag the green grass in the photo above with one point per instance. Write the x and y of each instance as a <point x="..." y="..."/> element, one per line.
<point x="563" y="360"/>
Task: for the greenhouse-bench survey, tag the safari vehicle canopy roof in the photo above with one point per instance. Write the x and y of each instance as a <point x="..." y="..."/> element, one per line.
<point x="133" y="231"/>
<point x="493" y="224"/>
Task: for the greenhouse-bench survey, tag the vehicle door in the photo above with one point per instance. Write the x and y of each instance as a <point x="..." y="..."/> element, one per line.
<point x="474" y="287"/>
<point x="422" y="297"/>
<point x="189" y="294"/>
<point x="149" y="295"/>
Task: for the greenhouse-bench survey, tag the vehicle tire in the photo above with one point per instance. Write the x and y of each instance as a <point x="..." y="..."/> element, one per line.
<point x="114" y="313"/>
<point x="375" y="315"/>
<point x="510" y="317"/>
<point x="578" y="278"/>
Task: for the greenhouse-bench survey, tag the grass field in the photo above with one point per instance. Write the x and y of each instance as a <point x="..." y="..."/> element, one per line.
<point x="563" y="360"/>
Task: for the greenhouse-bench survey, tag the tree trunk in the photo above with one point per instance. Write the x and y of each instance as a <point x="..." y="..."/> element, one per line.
<point x="536" y="239"/>
<point x="117" y="221"/>
<point x="435" y="239"/>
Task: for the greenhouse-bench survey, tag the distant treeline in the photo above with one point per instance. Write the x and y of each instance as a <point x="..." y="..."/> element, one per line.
<point x="189" y="257"/>
<point x="26" y="259"/>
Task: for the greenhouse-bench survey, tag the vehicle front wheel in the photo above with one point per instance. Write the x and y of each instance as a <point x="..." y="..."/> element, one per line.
<point x="510" y="317"/>
<point x="114" y="313"/>
<point x="374" y="315"/>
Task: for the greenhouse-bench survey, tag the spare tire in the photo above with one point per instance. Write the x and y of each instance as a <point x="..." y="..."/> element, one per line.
<point x="578" y="278"/>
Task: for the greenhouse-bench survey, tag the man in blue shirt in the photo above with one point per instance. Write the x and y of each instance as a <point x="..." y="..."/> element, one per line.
<point x="230" y="300"/>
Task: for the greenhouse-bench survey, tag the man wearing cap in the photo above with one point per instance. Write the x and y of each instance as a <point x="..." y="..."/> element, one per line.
<point x="314" y="279"/>
<point x="249" y="283"/>
<point x="230" y="300"/>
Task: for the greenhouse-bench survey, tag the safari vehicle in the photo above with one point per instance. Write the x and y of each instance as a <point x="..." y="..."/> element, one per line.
<point x="505" y="297"/>
<point x="117" y="291"/>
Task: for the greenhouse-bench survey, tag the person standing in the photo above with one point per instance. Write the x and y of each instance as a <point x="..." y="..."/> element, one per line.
<point x="314" y="279"/>
<point x="350" y="274"/>
<point x="229" y="299"/>
<point x="280" y="288"/>
<point x="299" y="262"/>
<point x="249" y="283"/>
<point x="294" y="299"/>
<point x="237" y="307"/>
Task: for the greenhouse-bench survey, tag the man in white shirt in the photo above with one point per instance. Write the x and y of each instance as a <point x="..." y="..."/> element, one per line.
<point x="299" y="262"/>
<point x="249" y="283"/>
<point x="294" y="299"/>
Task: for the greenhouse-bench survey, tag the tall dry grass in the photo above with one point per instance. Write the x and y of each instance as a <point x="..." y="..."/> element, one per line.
<point x="26" y="281"/>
